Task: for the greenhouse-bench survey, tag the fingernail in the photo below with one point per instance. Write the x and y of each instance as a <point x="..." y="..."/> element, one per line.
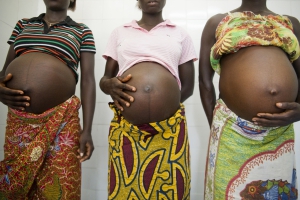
<point x="27" y="104"/>
<point x="81" y="154"/>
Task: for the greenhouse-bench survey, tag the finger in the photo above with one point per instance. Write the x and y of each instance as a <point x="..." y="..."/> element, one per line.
<point x="266" y="122"/>
<point x="88" y="154"/>
<point x="287" y="105"/>
<point x="126" y="87"/>
<point x="82" y="149"/>
<point x="124" y="79"/>
<point x="123" y="103"/>
<point x="125" y="97"/>
<point x="16" y="104"/>
<point x="7" y="78"/>
<point x="117" y="104"/>
<point x="270" y="116"/>
<point x="8" y="91"/>
<point x="79" y="155"/>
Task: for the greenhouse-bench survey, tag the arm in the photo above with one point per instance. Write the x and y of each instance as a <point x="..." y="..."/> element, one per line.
<point x="116" y="86"/>
<point x="88" y="98"/>
<point x="291" y="110"/>
<point x="206" y="73"/>
<point x="187" y="78"/>
<point x="12" y="98"/>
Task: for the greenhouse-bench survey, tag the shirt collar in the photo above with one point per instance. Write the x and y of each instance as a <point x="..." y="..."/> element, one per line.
<point x="67" y="21"/>
<point x="134" y="24"/>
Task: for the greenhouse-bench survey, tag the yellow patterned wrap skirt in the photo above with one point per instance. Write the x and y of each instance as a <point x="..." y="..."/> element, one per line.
<point x="246" y="161"/>
<point x="149" y="161"/>
<point x="40" y="154"/>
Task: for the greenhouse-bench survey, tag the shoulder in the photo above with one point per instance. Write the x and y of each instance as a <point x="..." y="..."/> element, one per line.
<point x="295" y="23"/>
<point x="215" y="20"/>
<point x="121" y="29"/>
<point x="84" y="26"/>
<point x="23" y="21"/>
<point x="174" y="29"/>
<point x="78" y="26"/>
<point x="294" y="20"/>
<point x="179" y="29"/>
<point x="208" y="34"/>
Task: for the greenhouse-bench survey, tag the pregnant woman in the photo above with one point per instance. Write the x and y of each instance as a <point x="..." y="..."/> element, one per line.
<point x="251" y="149"/>
<point x="149" y="73"/>
<point x="43" y="133"/>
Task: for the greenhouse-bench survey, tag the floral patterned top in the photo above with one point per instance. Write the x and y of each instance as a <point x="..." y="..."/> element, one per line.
<point x="243" y="29"/>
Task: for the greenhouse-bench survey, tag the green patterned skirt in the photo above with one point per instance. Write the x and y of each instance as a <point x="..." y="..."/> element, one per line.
<point x="246" y="161"/>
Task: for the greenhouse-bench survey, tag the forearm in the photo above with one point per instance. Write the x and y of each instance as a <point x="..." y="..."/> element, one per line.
<point x="88" y="100"/>
<point x="208" y="99"/>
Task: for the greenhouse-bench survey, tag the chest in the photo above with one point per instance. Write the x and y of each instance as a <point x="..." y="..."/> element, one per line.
<point x="149" y="43"/>
<point x="37" y="34"/>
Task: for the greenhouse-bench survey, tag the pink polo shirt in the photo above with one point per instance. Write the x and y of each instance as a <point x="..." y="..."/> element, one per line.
<point x="166" y="44"/>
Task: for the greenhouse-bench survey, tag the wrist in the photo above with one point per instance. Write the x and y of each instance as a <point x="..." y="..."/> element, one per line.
<point x="104" y="85"/>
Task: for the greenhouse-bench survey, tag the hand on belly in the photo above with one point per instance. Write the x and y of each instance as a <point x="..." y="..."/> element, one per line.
<point x="251" y="83"/>
<point x="157" y="95"/>
<point x="46" y="80"/>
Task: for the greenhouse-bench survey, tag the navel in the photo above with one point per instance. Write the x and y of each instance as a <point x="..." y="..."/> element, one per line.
<point x="274" y="92"/>
<point x="148" y="88"/>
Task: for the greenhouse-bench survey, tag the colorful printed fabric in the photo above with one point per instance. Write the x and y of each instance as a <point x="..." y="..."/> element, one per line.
<point x="246" y="161"/>
<point x="243" y="29"/>
<point x="40" y="154"/>
<point x="149" y="161"/>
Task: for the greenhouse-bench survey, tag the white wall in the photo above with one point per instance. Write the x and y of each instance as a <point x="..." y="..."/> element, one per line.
<point x="102" y="16"/>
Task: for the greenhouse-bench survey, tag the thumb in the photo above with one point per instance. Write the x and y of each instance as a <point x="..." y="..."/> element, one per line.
<point x="7" y="78"/>
<point x="82" y="150"/>
<point x="124" y="79"/>
<point x="287" y="105"/>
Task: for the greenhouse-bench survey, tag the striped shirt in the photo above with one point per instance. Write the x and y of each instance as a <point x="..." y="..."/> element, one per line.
<point x="64" y="40"/>
<point x="166" y="44"/>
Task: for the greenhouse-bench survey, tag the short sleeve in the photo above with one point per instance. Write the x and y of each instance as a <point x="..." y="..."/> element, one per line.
<point x="111" y="47"/>
<point x="17" y="30"/>
<point x="188" y="50"/>
<point x="88" y="42"/>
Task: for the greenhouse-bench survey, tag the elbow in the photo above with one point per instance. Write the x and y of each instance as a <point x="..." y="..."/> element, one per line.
<point x="189" y="93"/>
<point x="206" y="85"/>
<point x="88" y="82"/>
<point x="186" y="93"/>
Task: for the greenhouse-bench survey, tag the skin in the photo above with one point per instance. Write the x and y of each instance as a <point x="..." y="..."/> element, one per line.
<point x="118" y="88"/>
<point x="56" y="10"/>
<point x="290" y="110"/>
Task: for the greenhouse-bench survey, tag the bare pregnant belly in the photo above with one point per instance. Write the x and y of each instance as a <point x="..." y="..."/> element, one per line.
<point x="254" y="79"/>
<point x="46" y="80"/>
<point x="157" y="96"/>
